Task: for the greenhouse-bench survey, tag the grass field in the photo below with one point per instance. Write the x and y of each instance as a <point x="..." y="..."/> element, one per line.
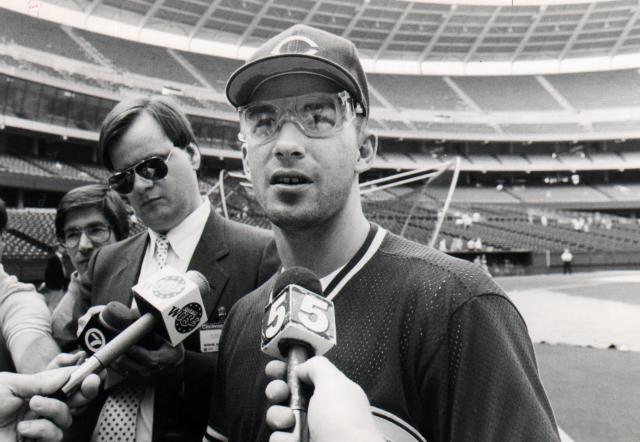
<point x="573" y="320"/>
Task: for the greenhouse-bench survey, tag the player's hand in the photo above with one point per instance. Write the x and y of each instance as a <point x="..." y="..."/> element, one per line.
<point x="145" y="364"/>
<point x="50" y="416"/>
<point x="338" y="408"/>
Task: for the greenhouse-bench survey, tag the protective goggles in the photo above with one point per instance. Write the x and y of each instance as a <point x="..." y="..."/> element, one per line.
<point x="154" y="168"/>
<point x="317" y="115"/>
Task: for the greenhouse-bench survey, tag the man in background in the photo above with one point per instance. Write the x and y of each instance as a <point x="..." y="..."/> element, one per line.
<point x="87" y="218"/>
<point x="150" y="148"/>
<point x="26" y="345"/>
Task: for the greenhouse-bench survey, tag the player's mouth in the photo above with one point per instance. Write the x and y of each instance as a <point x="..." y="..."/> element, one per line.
<point x="289" y="179"/>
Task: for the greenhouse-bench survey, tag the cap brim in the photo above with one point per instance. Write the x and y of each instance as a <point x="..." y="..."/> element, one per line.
<point x="244" y="81"/>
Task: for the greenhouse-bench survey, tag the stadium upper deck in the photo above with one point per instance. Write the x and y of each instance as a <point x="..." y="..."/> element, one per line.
<point x="470" y="100"/>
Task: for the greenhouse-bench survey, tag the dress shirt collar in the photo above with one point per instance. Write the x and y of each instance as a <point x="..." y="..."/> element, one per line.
<point x="184" y="237"/>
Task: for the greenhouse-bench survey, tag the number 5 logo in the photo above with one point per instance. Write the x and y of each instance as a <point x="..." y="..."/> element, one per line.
<point x="312" y="315"/>
<point x="277" y="315"/>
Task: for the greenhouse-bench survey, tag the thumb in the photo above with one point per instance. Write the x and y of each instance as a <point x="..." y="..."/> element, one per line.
<point x="318" y="371"/>
<point x="43" y="383"/>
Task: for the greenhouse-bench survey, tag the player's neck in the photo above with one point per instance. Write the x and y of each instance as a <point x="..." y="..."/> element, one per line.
<point x="325" y="247"/>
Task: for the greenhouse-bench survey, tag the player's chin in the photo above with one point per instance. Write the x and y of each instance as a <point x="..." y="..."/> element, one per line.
<point x="289" y="217"/>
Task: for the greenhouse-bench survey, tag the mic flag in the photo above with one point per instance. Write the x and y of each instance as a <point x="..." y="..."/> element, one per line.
<point x="298" y="314"/>
<point x="176" y="301"/>
<point x="103" y="326"/>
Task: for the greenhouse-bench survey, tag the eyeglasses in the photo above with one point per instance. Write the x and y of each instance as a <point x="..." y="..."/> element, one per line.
<point x="154" y="168"/>
<point x="317" y="116"/>
<point x="97" y="234"/>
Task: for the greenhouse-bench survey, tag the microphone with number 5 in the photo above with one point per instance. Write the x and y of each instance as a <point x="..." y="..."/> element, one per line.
<point x="298" y="323"/>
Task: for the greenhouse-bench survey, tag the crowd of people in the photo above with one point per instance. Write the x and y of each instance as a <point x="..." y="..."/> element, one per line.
<point x="428" y="346"/>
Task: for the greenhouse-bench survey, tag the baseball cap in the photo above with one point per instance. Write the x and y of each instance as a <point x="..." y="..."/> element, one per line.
<point x="301" y="49"/>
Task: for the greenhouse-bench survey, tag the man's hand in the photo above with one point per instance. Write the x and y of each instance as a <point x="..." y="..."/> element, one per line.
<point x="148" y="364"/>
<point x="16" y="390"/>
<point x="338" y="408"/>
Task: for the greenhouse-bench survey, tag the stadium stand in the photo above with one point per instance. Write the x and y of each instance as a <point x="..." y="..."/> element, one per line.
<point x="39" y="34"/>
<point x="595" y="90"/>
<point x="504" y="93"/>
<point x="417" y="92"/>
<point x="140" y="58"/>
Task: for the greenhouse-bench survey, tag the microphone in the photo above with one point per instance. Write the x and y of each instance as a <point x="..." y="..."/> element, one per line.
<point x="171" y="303"/>
<point x="104" y="326"/>
<point x="298" y="324"/>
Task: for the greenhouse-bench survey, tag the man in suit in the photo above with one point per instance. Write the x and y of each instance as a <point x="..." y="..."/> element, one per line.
<point x="150" y="147"/>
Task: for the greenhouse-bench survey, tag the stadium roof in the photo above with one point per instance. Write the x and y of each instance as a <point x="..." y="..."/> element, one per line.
<point x="469" y="37"/>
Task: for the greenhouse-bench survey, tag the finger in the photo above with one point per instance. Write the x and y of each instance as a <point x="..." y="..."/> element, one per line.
<point x="277" y="391"/>
<point x="43" y="383"/>
<point x="126" y="365"/>
<point x="41" y="430"/>
<point x="52" y="409"/>
<point x="279" y="436"/>
<point x="317" y="370"/>
<point x="276" y="369"/>
<point x="67" y="360"/>
<point x="140" y="355"/>
<point x="88" y="391"/>
<point x="280" y="417"/>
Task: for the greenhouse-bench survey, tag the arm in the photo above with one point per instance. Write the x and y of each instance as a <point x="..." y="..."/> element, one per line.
<point x="495" y="389"/>
<point x="26" y="325"/>
<point x="74" y="303"/>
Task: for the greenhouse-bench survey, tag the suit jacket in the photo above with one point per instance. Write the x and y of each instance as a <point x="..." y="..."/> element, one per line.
<point x="235" y="259"/>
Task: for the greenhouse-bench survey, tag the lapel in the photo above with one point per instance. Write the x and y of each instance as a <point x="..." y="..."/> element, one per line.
<point x="211" y="248"/>
<point x="125" y="271"/>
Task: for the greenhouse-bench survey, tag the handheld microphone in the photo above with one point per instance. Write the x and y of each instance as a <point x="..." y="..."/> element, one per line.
<point x="171" y="303"/>
<point x="298" y="323"/>
<point x="104" y="326"/>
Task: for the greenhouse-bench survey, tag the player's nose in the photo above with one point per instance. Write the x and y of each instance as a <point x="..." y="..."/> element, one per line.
<point x="290" y="142"/>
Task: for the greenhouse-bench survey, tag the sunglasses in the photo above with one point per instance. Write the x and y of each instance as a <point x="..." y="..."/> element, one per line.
<point x="317" y="115"/>
<point x="154" y="168"/>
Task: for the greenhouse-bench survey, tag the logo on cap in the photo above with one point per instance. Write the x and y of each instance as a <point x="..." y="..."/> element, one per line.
<point x="296" y="44"/>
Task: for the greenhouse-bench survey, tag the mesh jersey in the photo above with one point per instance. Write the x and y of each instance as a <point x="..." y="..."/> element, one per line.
<point x="436" y="345"/>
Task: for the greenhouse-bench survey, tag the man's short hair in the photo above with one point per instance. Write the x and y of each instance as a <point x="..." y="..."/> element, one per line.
<point x="97" y="196"/>
<point x="3" y="215"/>
<point x="164" y="111"/>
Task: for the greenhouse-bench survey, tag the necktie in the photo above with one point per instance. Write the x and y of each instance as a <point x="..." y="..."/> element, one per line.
<point x="117" y="421"/>
<point x="162" y="250"/>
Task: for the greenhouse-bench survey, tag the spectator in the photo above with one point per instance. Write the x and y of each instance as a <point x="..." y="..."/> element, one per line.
<point x="567" y="258"/>
<point x="26" y="345"/>
<point x="87" y="218"/>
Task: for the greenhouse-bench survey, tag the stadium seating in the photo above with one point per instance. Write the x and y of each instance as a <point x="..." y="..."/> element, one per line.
<point x="38" y="34"/>
<point x="417" y="92"/>
<point x="139" y="58"/>
<point x="505" y="93"/>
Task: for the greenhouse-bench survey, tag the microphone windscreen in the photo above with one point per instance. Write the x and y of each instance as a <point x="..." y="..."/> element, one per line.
<point x="117" y="315"/>
<point x="300" y="276"/>
<point x="203" y="286"/>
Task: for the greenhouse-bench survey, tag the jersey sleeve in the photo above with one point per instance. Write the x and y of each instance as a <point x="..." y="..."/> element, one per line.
<point x="494" y="389"/>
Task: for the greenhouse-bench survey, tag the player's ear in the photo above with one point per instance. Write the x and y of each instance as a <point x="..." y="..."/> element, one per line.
<point x="245" y="161"/>
<point x="194" y="155"/>
<point x="366" y="151"/>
